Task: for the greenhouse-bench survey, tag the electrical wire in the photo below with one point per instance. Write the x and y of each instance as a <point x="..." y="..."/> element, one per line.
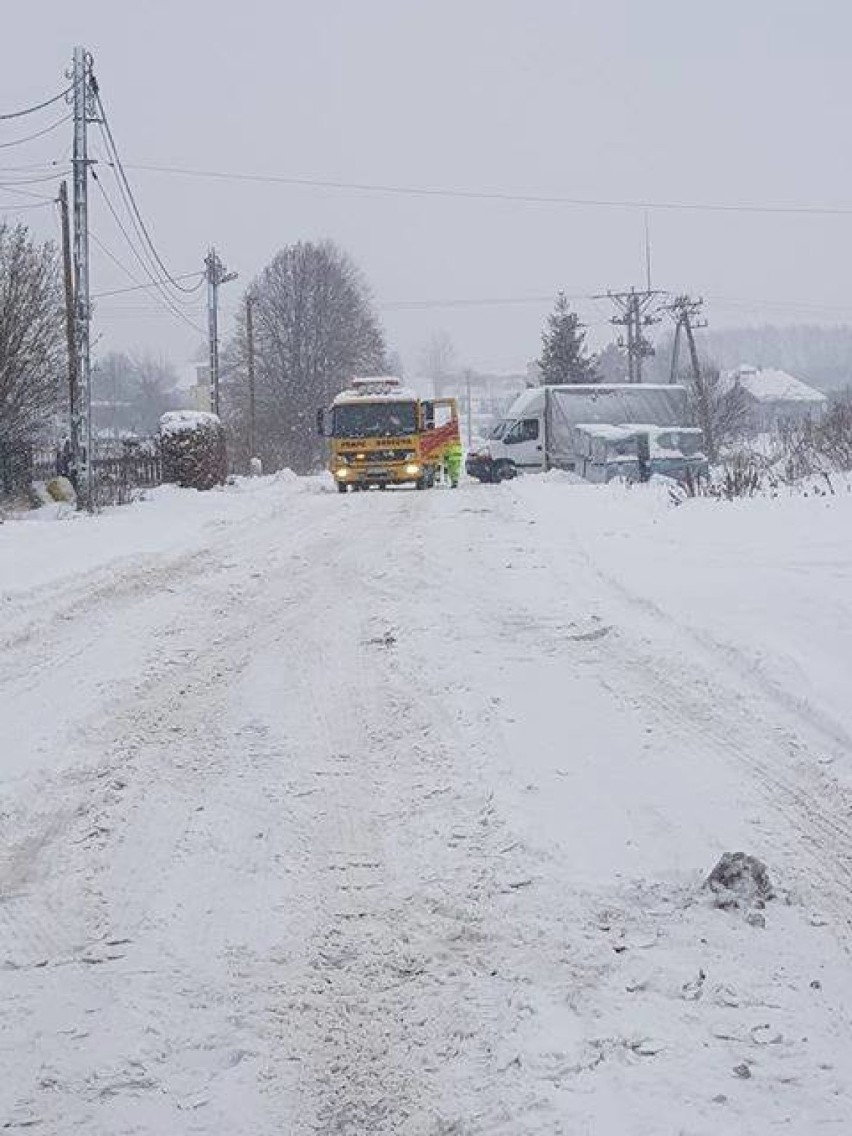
<point x="138" y="221"/>
<point x="500" y="195"/>
<point x="428" y="305"/>
<point x="598" y="301"/>
<point x="35" y="180"/>
<point x="42" y="166"/>
<point x="39" y="106"/>
<point x="26" y="193"/>
<point x="138" y="287"/>
<point x="16" y="207"/>
<point x="141" y="251"/>
<point x="167" y="299"/>
<point x="39" y="134"/>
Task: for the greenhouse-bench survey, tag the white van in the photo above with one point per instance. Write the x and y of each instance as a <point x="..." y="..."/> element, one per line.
<point x="538" y="431"/>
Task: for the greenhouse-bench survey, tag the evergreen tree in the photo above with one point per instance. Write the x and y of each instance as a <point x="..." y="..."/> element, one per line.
<point x="564" y="358"/>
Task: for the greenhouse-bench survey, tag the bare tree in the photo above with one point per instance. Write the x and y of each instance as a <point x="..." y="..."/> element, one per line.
<point x="438" y="360"/>
<point x="131" y="391"/>
<point x="32" y="340"/>
<point x="819" y="445"/>
<point x="718" y="406"/>
<point x="314" y="329"/>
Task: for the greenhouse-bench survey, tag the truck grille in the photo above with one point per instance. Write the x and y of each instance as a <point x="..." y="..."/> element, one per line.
<point x="374" y="457"/>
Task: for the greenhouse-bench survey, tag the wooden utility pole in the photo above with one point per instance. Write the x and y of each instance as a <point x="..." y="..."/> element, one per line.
<point x="250" y="348"/>
<point x="70" y="336"/>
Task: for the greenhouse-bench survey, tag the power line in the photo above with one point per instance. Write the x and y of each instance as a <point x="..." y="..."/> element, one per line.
<point x="34" y="180"/>
<point x="143" y="260"/>
<point x="164" y="303"/>
<point x="140" y="287"/>
<point x="10" y="188"/>
<point x="39" y="134"/>
<point x="427" y="305"/>
<point x="119" y="169"/>
<point x="30" y="168"/>
<point x="501" y="195"/>
<point x="16" y="207"/>
<point x="167" y="299"/>
<point x="501" y="301"/>
<point x="140" y="252"/>
<point x="33" y="109"/>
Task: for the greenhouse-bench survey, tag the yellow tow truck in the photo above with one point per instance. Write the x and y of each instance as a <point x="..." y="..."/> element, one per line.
<point x="382" y="434"/>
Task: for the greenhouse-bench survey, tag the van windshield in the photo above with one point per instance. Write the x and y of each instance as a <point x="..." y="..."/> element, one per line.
<point x="383" y="419"/>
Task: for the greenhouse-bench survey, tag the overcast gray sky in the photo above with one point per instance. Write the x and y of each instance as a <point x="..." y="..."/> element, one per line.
<point x="731" y="102"/>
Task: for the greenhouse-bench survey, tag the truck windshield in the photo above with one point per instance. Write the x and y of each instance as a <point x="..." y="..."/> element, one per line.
<point x="375" y="419"/>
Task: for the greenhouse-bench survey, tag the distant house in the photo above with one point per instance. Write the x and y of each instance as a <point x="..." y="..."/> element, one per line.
<point x="777" y="399"/>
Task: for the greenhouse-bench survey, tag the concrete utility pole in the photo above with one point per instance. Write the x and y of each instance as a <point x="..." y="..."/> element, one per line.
<point x="686" y="313"/>
<point x="81" y="423"/>
<point x="469" y="399"/>
<point x="71" y="339"/>
<point x="635" y="312"/>
<point x="250" y="349"/>
<point x="216" y="276"/>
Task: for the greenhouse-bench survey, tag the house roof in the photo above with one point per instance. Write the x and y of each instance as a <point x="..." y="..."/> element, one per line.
<point x="771" y="385"/>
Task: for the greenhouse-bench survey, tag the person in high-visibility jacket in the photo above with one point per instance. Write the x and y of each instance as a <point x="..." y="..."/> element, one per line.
<point x="453" y="462"/>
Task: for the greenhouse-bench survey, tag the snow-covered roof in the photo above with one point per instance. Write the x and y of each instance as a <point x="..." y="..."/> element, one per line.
<point x="608" y="388"/>
<point x="610" y="433"/>
<point x="771" y="385"/>
<point x="630" y="429"/>
<point x="379" y="389"/>
<point x="179" y="421"/>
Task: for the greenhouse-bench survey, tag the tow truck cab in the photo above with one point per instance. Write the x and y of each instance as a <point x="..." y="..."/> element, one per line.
<point x="382" y="434"/>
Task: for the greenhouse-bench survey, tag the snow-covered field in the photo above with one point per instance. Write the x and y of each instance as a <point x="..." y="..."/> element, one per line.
<point x="390" y="814"/>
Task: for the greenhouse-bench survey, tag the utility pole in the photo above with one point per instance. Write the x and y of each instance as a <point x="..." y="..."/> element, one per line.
<point x="216" y="276"/>
<point x="647" y="252"/>
<point x="636" y="311"/>
<point x="250" y="349"/>
<point x="71" y="339"/>
<point x="81" y="426"/>
<point x="469" y="399"/>
<point x="686" y="314"/>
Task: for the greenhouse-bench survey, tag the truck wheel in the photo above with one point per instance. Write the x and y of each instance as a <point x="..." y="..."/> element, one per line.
<point x="420" y="483"/>
<point x="504" y="471"/>
<point x="341" y="487"/>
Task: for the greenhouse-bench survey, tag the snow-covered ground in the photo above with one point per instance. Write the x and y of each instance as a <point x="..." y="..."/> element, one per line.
<point x="390" y="813"/>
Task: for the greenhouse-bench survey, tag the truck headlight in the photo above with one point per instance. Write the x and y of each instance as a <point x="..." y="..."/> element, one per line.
<point x="412" y="469"/>
<point x="342" y="473"/>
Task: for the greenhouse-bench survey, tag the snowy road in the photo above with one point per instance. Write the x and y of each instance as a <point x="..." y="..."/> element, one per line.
<point x="389" y="814"/>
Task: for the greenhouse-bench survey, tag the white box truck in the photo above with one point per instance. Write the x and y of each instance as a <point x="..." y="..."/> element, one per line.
<point x="540" y="431"/>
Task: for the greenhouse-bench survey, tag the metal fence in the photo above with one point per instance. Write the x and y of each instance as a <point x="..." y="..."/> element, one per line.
<point x="120" y="470"/>
<point x="117" y="479"/>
